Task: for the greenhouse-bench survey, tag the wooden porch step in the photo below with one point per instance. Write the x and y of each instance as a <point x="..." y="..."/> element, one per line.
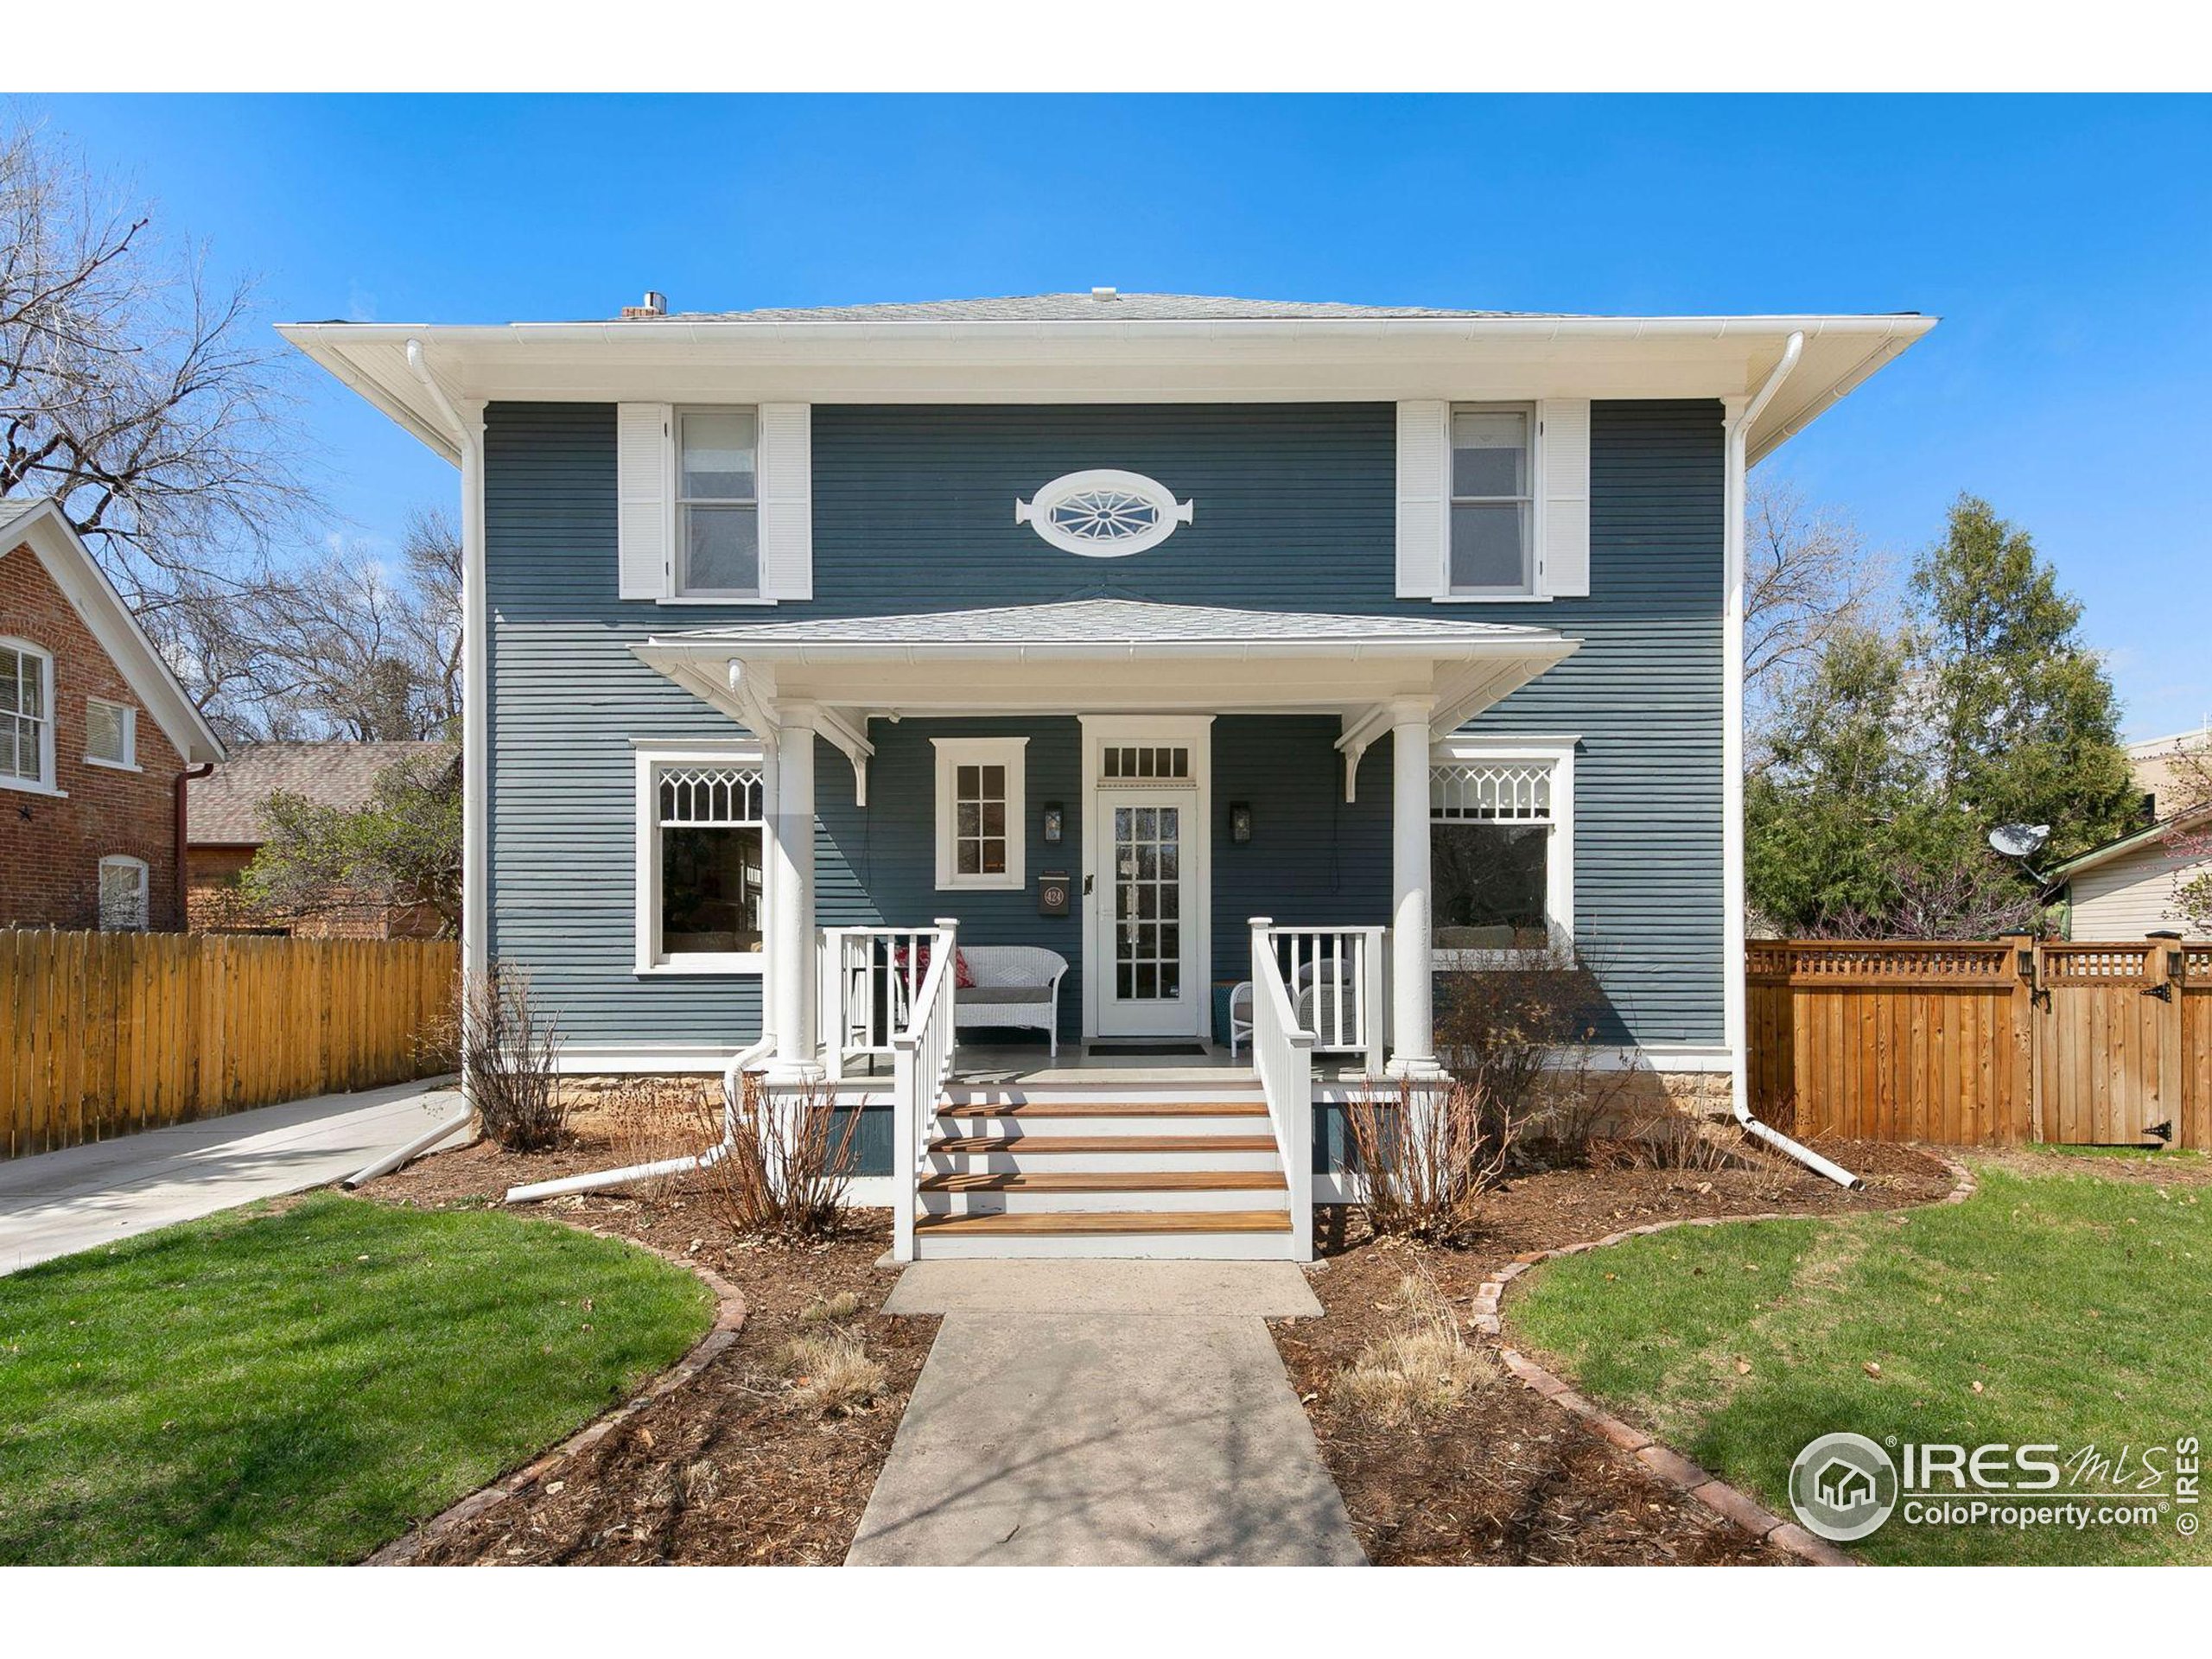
<point x="1134" y="1180"/>
<point x="1045" y="1145"/>
<point x="1079" y="1224"/>
<point x="1040" y="1109"/>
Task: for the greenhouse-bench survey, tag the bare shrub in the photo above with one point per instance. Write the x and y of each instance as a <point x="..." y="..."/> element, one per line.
<point x="1417" y="1372"/>
<point x="1671" y="1137"/>
<point x="832" y="1375"/>
<point x="1429" y="1153"/>
<point x="510" y="1061"/>
<point x="788" y="1163"/>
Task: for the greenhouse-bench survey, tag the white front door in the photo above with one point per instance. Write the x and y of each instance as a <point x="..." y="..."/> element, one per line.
<point x="1150" y="989"/>
<point x="1147" y="898"/>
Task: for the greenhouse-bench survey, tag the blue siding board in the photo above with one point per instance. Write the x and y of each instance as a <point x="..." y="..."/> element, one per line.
<point x="913" y="512"/>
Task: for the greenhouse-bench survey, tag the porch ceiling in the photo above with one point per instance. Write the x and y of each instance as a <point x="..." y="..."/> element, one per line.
<point x="1106" y="655"/>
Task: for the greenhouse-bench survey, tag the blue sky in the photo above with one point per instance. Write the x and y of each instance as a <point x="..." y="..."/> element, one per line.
<point x="2065" y="242"/>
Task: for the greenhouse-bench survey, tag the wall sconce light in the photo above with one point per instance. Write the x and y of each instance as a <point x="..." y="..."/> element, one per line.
<point x="1054" y="818"/>
<point x="1240" y="822"/>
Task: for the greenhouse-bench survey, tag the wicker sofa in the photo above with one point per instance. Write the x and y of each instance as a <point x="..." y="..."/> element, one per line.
<point x="1015" y="985"/>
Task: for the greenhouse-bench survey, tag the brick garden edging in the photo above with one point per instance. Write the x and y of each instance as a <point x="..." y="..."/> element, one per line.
<point x="729" y="1318"/>
<point x="1669" y="1466"/>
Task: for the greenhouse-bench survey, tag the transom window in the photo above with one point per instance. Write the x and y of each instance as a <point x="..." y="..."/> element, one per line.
<point x="702" y="866"/>
<point x="1493" y="499"/>
<point x="979" y="822"/>
<point x="110" y="732"/>
<point x="26" y="715"/>
<point x="123" y="895"/>
<point x="1132" y="764"/>
<point x="718" y="502"/>
<point x="1501" y="852"/>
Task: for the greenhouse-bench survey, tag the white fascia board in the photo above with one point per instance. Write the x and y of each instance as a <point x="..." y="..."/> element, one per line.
<point x="51" y="536"/>
<point x="1252" y="361"/>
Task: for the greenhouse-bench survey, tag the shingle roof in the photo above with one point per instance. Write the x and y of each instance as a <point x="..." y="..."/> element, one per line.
<point x="1083" y="307"/>
<point x="1107" y="622"/>
<point x="224" y="808"/>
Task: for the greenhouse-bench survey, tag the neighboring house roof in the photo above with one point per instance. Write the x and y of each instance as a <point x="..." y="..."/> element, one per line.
<point x="224" y="808"/>
<point x="39" y="524"/>
<point x="2156" y="745"/>
<point x="1110" y="623"/>
<point x="1084" y="307"/>
<point x="2125" y="845"/>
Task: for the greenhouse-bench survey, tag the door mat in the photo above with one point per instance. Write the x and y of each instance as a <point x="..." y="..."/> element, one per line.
<point x="1108" y="1051"/>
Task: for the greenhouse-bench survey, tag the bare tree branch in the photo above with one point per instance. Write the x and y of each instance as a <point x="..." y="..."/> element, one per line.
<point x="1809" y="581"/>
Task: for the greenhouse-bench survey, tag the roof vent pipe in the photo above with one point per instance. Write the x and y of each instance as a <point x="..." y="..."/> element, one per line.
<point x="1105" y="294"/>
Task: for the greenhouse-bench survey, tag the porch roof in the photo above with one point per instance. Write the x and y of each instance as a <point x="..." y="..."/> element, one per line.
<point x="1077" y="656"/>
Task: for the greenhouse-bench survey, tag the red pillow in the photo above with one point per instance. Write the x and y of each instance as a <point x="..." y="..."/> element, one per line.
<point x="962" y="977"/>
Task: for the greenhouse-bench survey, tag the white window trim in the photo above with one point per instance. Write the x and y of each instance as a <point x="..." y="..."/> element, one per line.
<point x="679" y="592"/>
<point x="47" y="782"/>
<point x="1012" y="753"/>
<point x="123" y="862"/>
<point x="1559" y="858"/>
<point x="649" y="757"/>
<point x="1534" y="592"/>
<point x="130" y="713"/>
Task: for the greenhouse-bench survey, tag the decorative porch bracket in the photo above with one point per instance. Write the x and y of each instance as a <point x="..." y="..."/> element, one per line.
<point x="753" y="695"/>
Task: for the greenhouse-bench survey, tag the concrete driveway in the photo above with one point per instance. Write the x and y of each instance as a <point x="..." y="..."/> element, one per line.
<point x="56" y="1203"/>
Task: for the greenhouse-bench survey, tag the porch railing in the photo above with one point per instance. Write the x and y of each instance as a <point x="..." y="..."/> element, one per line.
<point x="1334" y="976"/>
<point x="870" y="978"/>
<point x="921" y="1051"/>
<point x="1282" y="1053"/>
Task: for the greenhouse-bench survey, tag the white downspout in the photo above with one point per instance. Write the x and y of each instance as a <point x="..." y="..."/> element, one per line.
<point x="1735" y="1023"/>
<point x="733" y="1083"/>
<point x="475" y="932"/>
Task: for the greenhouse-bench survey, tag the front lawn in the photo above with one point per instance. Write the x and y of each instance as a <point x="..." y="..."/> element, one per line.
<point x="303" y="1384"/>
<point x="2082" y="1307"/>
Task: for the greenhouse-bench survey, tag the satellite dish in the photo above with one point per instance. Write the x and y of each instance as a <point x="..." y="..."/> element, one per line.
<point x="2019" y="840"/>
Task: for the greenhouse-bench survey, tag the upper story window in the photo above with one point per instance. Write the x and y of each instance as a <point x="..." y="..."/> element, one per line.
<point x="1493" y="500"/>
<point x="701" y="867"/>
<point x="980" y="811"/>
<point x="718" y="503"/>
<point x="26" y="715"/>
<point x="123" y="895"/>
<point x="1500" y="850"/>
<point x="111" y="733"/>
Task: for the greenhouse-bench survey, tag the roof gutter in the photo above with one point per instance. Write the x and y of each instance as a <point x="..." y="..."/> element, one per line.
<point x="1735" y="991"/>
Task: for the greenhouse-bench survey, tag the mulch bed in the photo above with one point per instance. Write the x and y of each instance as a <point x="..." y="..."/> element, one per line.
<point x="1507" y="1478"/>
<point x="722" y="1470"/>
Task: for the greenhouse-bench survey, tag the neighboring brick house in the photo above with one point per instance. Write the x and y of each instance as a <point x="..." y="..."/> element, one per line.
<point x="226" y="828"/>
<point x="95" y="738"/>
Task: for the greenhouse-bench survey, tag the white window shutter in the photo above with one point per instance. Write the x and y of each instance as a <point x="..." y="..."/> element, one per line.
<point x="645" y="479"/>
<point x="786" y="501"/>
<point x="1424" y="498"/>
<point x="1564" y="518"/>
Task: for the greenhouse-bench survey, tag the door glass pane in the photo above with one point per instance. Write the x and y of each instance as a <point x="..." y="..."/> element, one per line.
<point x="1146" y="953"/>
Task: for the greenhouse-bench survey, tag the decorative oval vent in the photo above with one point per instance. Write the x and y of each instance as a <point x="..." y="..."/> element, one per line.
<point x="1104" y="514"/>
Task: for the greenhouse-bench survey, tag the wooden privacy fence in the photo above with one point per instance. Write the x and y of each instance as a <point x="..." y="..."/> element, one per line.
<point x="105" y="1034"/>
<point x="1984" y="1044"/>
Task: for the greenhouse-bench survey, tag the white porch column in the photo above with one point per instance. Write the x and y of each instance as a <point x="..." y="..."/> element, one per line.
<point x="790" y="907"/>
<point x="1413" y="1019"/>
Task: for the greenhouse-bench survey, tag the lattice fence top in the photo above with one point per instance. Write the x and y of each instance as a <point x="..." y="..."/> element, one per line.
<point x="1841" y="960"/>
<point x="1510" y="790"/>
<point x="2196" y="964"/>
<point x="2063" y="962"/>
<point x="709" y="797"/>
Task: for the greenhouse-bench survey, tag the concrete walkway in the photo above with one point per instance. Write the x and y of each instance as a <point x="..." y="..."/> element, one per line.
<point x="56" y="1203"/>
<point x="1104" y="1413"/>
